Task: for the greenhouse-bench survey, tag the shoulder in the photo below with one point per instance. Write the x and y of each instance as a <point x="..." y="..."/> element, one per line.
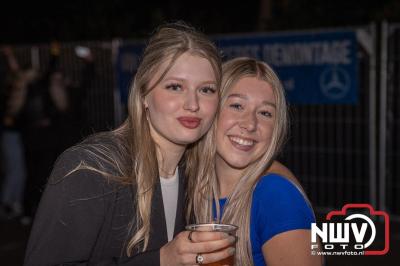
<point x="280" y="169"/>
<point x="272" y="184"/>
<point x="279" y="191"/>
<point x="279" y="206"/>
<point x="102" y="144"/>
<point x="281" y="197"/>
<point x="98" y="155"/>
<point x="87" y="173"/>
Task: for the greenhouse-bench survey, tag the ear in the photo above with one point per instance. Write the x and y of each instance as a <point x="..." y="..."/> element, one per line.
<point x="146" y="105"/>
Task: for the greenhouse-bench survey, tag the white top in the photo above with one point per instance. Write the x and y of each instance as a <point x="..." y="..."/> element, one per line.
<point x="169" y="189"/>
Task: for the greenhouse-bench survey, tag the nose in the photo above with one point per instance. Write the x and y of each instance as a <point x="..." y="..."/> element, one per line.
<point x="191" y="101"/>
<point x="248" y="121"/>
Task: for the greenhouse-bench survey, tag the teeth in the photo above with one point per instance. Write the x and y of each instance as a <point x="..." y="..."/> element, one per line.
<point x="241" y="141"/>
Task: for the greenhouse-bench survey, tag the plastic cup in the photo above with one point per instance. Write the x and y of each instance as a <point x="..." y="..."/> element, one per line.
<point x="226" y="228"/>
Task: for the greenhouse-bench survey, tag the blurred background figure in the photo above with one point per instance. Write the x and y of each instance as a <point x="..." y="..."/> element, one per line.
<point x="53" y="118"/>
<point x="44" y="107"/>
<point x="14" y="168"/>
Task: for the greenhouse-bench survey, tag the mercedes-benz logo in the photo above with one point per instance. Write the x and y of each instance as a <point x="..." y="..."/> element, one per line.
<point x="334" y="82"/>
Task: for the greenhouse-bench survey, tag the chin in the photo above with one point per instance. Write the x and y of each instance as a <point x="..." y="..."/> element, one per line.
<point x="191" y="136"/>
<point x="238" y="164"/>
<point x="187" y="140"/>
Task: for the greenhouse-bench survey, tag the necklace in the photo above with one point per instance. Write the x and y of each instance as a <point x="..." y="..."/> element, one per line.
<point x="166" y="173"/>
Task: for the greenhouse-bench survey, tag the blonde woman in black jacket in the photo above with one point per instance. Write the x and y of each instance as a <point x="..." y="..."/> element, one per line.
<point x="118" y="197"/>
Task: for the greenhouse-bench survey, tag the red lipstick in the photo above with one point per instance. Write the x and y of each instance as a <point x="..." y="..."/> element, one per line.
<point x="189" y="122"/>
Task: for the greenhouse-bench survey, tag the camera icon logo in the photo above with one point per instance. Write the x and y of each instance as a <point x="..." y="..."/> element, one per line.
<point x="351" y="231"/>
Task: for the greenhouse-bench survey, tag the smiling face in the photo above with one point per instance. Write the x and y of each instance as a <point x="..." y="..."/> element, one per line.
<point x="245" y="123"/>
<point x="182" y="106"/>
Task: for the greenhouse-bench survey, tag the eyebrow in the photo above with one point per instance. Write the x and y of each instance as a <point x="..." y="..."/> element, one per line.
<point x="184" y="80"/>
<point x="174" y="78"/>
<point x="245" y="97"/>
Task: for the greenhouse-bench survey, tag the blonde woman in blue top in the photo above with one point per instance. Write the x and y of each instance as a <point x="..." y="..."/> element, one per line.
<point x="273" y="214"/>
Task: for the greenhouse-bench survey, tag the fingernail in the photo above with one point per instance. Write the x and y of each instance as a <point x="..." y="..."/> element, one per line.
<point x="232" y="239"/>
<point x="231" y="251"/>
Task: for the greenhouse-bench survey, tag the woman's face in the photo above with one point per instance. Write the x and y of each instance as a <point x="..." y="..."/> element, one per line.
<point x="182" y="106"/>
<point x="245" y="123"/>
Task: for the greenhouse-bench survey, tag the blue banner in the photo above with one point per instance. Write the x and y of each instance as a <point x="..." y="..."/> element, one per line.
<point x="315" y="68"/>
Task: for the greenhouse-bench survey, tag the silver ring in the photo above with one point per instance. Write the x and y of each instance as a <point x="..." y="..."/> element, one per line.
<point x="190" y="236"/>
<point x="199" y="259"/>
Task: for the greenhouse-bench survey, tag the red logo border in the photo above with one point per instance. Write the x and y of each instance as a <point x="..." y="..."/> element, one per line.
<point x="372" y="212"/>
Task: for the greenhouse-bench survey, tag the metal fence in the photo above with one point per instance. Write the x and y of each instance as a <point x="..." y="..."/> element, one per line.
<point x="100" y="93"/>
<point x="332" y="148"/>
<point x="389" y="144"/>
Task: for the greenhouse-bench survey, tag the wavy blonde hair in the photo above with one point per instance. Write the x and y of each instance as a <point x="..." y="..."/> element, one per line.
<point x="206" y="188"/>
<point x="134" y="153"/>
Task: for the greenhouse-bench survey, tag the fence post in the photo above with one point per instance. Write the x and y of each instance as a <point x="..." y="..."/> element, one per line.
<point x="368" y="41"/>
<point x="383" y="116"/>
<point x="372" y="118"/>
<point x="117" y="96"/>
<point x="35" y="57"/>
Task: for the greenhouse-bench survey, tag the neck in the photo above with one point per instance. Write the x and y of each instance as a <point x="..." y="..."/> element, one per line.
<point x="168" y="161"/>
<point x="168" y="155"/>
<point x="227" y="176"/>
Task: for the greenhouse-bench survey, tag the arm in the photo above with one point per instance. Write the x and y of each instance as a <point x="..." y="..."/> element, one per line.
<point x="17" y="87"/>
<point x="11" y="60"/>
<point x="19" y="91"/>
<point x="283" y="225"/>
<point x="57" y="82"/>
<point x="58" y="91"/>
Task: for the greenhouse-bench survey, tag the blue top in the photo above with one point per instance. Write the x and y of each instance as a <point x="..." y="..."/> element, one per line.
<point x="277" y="206"/>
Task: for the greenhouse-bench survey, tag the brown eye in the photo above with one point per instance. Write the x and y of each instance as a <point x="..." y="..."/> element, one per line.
<point x="207" y="90"/>
<point x="236" y="106"/>
<point x="174" y="87"/>
<point x="266" y="113"/>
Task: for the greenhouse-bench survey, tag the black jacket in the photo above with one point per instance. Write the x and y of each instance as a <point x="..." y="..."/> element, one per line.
<point x="84" y="219"/>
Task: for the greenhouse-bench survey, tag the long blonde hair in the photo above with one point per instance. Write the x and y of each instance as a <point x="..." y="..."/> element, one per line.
<point x="238" y="206"/>
<point x="134" y="158"/>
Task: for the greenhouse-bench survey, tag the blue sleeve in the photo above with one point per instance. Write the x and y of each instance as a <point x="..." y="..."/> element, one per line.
<point x="279" y="206"/>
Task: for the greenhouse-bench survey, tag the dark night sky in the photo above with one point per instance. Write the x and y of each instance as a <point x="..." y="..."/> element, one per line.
<point x="26" y="22"/>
